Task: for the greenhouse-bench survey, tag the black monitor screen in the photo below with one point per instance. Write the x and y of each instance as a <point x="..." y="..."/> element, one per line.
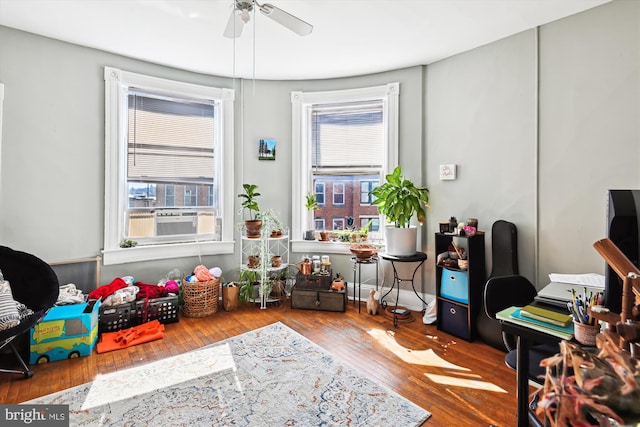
<point x="622" y="228"/>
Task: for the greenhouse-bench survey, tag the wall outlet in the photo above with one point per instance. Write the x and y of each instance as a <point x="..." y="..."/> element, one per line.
<point x="447" y="172"/>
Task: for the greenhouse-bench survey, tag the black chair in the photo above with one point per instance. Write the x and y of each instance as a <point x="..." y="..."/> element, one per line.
<point x="507" y="291"/>
<point x="33" y="283"/>
<point x="504" y="254"/>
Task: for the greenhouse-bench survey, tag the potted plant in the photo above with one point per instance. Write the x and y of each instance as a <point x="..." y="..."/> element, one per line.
<point x="399" y="199"/>
<point x="248" y="281"/>
<point x="312" y="206"/>
<point x="362" y="234"/>
<point x="253" y="225"/>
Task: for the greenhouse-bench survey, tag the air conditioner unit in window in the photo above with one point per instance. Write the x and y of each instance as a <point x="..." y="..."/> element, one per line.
<point x="170" y="222"/>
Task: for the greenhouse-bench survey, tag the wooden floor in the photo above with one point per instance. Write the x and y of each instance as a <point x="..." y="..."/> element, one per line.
<point x="460" y="383"/>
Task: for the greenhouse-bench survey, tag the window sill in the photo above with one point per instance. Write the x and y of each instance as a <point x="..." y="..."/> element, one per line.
<point x="166" y="251"/>
<point x="313" y="246"/>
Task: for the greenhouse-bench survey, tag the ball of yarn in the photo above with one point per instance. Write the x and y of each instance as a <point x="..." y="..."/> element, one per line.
<point x="202" y="273"/>
<point x="129" y="280"/>
<point x="171" y="287"/>
<point x="191" y="279"/>
<point x="215" y="271"/>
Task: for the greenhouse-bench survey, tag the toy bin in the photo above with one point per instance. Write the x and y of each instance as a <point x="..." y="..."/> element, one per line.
<point x="116" y="317"/>
<point x="164" y="309"/>
<point x="455" y="285"/>
<point x="66" y="332"/>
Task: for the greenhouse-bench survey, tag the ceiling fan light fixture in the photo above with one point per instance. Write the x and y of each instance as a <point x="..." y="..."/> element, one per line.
<point x="245" y="15"/>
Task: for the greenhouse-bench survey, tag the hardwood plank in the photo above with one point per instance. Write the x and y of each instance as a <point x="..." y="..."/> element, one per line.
<point x="460" y="383"/>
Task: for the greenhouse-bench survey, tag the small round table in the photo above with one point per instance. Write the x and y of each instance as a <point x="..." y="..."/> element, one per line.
<point x="419" y="258"/>
<point x="357" y="273"/>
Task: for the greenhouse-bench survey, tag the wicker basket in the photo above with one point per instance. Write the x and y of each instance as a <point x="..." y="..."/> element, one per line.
<point x="200" y="298"/>
<point x="586" y="334"/>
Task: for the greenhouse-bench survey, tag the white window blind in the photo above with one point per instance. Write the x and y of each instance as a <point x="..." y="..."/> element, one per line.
<point x="170" y="140"/>
<point x="347" y="136"/>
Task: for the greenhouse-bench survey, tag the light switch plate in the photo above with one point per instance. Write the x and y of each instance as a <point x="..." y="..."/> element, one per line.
<point x="447" y="172"/>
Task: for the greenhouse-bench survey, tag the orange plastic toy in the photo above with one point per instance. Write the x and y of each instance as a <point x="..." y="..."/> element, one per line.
<point x="146" y="332"/>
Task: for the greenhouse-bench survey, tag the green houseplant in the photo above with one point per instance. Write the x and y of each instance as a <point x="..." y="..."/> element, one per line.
<point x="399" y="200"/>
<point x="312" y="206"/>
<point x="248" y="278"/>
<point x="253" y="225"/>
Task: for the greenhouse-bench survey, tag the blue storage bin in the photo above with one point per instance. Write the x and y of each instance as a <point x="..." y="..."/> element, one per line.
<point x="455" y="285"/>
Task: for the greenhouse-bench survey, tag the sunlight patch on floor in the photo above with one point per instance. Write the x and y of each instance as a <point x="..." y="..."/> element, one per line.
<point x="125" y="384"/>
<point x="464" y="382"/>
<point x="463" y="377"/>
<point x="416" y="357"/>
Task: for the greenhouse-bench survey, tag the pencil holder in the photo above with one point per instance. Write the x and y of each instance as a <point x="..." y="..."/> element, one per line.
<point x="585" y="334"/>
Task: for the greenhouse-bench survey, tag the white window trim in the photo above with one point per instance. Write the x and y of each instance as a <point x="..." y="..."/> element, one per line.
<point x="116" y="84"/>
<point x="302" y="103"/>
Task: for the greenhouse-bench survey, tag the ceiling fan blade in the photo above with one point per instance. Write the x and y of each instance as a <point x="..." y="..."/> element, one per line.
<point x="234" y="25"/>
<point x="293" y="23"/>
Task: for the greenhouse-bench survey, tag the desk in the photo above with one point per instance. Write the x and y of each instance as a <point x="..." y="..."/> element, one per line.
<point x="357" y="268"/>
<point x="526" y="334"/>
<point x="419" y="258"/>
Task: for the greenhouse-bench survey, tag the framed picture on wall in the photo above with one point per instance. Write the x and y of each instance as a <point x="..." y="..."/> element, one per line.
<point x="267" y="149"/>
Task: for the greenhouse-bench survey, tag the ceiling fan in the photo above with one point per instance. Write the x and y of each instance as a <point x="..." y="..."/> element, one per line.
<point x="240" y="15"/>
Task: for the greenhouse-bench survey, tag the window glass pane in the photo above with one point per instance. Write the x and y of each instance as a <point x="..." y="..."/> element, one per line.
<point x="319" y="186"/>
<point x="169" y="195"/>
<point x="190" y="195"/>
<point x="338" y="193"/>
<point x="365" y="189"/>
<point x="170" y="167"/>
<point x="373" y="222"/>
<point x="350" y="187"/>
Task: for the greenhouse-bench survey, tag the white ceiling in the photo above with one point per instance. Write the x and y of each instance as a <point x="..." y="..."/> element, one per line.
<point x="350" y="37"/>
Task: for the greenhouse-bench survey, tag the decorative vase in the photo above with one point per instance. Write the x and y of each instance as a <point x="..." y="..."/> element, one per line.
<point x="401" y="241"/>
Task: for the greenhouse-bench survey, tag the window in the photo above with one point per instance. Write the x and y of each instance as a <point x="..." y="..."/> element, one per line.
<point x="320" y="191"/>
<point x="346" y="140"/>
<point x="338" y="223"/>
<point x="365" y="188"/>
<point x="191" y="195"/>
<point x="319" y="223"/>
<point x="338" y="193"/>
<point x="373" y="222"/>
<point x="165" y="144"/>
<point x="169" y="195"/>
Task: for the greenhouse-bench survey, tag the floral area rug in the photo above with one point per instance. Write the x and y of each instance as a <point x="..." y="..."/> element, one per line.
<point x="271" y="376"/>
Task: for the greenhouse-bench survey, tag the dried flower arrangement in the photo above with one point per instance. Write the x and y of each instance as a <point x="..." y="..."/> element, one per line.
<point x="585" y="389"/>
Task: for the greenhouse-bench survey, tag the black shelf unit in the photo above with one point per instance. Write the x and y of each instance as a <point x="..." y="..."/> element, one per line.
<point x="456" y="317"/>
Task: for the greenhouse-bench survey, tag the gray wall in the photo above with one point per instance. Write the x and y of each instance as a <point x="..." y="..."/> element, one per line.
<point x="540" y="155"/>
<point x="540" y="125"/>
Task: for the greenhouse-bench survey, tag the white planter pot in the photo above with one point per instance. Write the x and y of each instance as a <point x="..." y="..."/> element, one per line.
<point x="401" y="241"/>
